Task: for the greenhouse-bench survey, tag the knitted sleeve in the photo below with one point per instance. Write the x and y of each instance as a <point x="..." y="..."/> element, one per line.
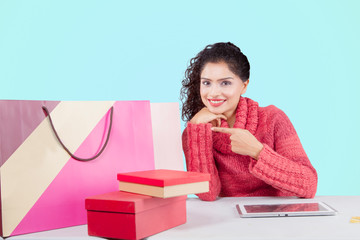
<point x="198" y="150"/>
<point x="286" y="167"/>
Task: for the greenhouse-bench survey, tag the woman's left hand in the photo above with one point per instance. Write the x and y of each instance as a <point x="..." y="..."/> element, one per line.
<point x="242" y="141"/>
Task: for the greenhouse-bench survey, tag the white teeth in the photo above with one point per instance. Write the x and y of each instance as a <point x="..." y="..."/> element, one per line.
<point x="217" y="101"/>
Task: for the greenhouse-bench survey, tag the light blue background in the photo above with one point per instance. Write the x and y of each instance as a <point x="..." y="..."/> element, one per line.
<point x="304" y="58"/>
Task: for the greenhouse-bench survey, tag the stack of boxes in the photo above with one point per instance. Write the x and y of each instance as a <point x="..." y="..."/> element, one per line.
<point x="148" y="202"/>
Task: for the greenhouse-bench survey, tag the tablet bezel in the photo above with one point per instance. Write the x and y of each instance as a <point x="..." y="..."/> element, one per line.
<point x="243" y="213"/>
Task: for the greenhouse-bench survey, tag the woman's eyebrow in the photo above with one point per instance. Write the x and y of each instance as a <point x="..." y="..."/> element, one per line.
<point x="221" y="79"/>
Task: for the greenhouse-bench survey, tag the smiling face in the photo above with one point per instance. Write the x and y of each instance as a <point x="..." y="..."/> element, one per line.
<point x="220" y="89"/>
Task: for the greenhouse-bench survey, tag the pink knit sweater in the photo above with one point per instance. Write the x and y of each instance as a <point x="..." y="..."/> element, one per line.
<point x="282" y="168"/>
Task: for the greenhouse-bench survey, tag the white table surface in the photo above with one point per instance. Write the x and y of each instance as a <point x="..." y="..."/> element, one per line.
<point x="220" y="220"/>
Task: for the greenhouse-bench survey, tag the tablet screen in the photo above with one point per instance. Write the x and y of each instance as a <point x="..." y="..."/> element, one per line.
<point x="282" y="209"/>
<point x="296" y="207"/>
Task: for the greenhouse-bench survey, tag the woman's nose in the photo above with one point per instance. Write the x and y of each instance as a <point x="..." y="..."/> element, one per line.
<point x="214" y="91"/>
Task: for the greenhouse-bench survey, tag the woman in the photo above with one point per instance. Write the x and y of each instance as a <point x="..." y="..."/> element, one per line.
<point x="248" y="150"/>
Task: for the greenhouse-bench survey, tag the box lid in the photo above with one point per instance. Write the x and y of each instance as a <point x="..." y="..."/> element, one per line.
<point x="125" y="202"/>
<point x="163" y="177"/>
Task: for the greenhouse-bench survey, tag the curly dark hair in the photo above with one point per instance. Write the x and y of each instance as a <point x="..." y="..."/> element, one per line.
<point x="218" y="52"/>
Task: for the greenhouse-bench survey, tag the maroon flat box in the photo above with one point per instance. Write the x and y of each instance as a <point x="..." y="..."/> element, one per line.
<point x="133" y="216"/>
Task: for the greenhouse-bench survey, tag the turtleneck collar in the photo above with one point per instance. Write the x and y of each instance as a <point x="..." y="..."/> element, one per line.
<point x="246" y="117"/>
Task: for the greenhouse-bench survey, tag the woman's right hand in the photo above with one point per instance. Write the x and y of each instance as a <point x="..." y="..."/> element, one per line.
<point x="205" y="116"/>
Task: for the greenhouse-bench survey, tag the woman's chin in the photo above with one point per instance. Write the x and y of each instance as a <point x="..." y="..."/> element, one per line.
<point x="215" y="110"/>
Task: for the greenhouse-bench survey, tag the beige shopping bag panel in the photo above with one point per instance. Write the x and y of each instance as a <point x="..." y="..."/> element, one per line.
<point x="165" y="118"/>
<point x="34" y="165"/>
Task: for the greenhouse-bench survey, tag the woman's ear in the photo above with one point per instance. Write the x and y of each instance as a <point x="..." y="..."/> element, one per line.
<point x="246" y="83"/>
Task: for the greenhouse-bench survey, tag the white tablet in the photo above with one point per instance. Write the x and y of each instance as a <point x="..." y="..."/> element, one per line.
<point x="282" y="209"/>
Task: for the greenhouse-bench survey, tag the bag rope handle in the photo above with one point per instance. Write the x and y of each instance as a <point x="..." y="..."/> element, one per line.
<point x="46" y="111"/>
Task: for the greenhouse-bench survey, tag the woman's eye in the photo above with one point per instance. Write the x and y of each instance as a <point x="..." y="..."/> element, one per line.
<point x="206" y="83"/>
<point x="226" y="83"/>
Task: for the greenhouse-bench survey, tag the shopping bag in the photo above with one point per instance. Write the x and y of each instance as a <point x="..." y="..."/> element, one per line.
<point x="42" y="186"/>
<point x="166" y="126"/>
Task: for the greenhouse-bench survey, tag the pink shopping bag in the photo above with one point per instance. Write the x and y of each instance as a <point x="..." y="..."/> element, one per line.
<point x="42" y="186"/>
<point x="166" y="126"/>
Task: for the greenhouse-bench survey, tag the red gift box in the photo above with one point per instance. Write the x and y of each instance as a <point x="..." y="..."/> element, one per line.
<point x="164" y="183"/>
<point x="132" y="216"/>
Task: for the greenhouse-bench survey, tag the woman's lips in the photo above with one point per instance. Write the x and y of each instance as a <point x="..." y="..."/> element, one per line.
<point x="216" y="102"/>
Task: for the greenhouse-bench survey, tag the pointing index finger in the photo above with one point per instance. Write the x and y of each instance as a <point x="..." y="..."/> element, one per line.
<point x="222" y="130"/>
